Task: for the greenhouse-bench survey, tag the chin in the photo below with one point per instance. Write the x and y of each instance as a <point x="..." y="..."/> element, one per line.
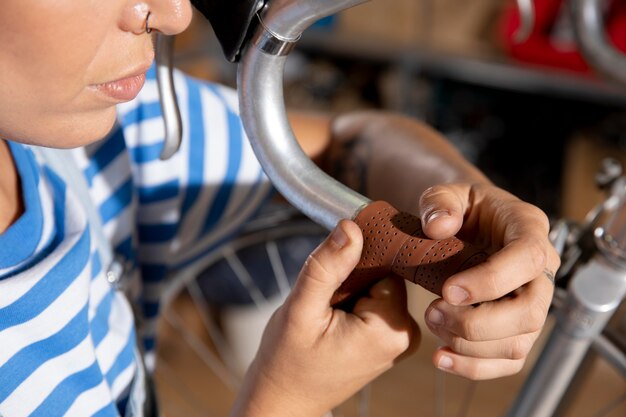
<point x="84" y="130"/>
<point x="60" y="131"/>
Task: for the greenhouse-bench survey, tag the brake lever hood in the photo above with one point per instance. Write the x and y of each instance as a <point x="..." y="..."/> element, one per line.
<point x="232" y="21"/>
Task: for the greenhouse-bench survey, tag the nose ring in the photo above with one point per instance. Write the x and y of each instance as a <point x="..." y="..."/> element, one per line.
<point x="148" y="28"/>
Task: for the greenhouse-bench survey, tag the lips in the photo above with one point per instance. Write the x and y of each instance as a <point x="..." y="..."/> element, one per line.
<point x="124" y="89"/>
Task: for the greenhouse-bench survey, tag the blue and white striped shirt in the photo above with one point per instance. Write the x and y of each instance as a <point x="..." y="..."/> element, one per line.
<point x="67" y="338"/>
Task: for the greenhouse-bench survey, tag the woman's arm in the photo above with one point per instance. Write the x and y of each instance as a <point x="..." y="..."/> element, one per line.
<point x="387" y="156"/>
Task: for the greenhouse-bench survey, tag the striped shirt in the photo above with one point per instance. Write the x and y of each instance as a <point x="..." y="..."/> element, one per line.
<point x="67" y="337"/>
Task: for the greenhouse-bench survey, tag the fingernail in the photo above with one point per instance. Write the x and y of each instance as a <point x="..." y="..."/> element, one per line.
<point x="435" y="317"/>
<point x="445" y="362"/>
<point x="457" y="295"/>
<point x="339" y="237"/>
<point x="436" y="214"/>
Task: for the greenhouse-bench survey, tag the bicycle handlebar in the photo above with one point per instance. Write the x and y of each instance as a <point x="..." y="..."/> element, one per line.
<point x="393" y="241"/>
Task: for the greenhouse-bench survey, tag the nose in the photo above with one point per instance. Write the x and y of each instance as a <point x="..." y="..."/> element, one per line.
<point x="169" y="17"/>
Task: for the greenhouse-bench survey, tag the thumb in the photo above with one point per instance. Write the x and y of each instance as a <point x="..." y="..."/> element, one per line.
<point x="325" y="269"/>
<point x="441" y="209"/>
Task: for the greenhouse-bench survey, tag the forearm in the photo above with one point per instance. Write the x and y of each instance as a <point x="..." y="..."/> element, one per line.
<point x="394" y="158"/>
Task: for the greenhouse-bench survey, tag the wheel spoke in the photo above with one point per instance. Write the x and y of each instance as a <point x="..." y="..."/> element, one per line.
<point x="245" y="278"/>
<point x="278" y="268"/>
<point x="216" y="335"/>
<point x="209" y="358"/>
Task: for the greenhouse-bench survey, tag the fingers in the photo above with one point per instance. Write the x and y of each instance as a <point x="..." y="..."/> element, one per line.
<point x="516" y="264"/>
<point x="414" y="341"/>
<point x="494" y="338"/>
<point x="475" y="368"/>
<point x="518" y="229"/>
<point x="325" y="269"/>
<point x="511" y="348"/>
<point x="526" y="252"/>
<point x="384" y="297"/>
<point x="491" y="339"/>
<point x="386" y="300"/>
<point x="522" y="313"/>
<point x="386" y="307"/>
<point x="441" y="209"/>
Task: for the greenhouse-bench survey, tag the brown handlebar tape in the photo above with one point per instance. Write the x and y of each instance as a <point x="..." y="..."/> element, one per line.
<point x="393" y="242"/>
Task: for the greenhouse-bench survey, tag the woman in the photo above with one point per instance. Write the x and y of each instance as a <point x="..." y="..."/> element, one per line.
<point x="78" y="75"/>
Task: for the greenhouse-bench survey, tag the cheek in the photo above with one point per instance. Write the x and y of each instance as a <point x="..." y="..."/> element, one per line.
<point x="36" y="110"/>
<point x="45" y="65"/>
<point x="51" y="57"/>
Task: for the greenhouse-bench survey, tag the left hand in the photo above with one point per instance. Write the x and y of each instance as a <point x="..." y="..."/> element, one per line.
<point x="490" y="315"/>
<point x="313" y="357"/>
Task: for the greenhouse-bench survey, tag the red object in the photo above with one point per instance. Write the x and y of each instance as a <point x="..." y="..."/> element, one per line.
<point x="546" y="44"/>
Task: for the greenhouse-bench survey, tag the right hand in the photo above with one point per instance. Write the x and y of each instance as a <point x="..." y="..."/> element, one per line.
<point x="313" y="357"/>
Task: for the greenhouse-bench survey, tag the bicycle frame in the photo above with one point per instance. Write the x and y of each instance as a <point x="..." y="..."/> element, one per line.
<point x="594" y="292"/>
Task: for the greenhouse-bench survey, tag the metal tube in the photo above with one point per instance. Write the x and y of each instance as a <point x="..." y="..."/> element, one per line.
<point x="167" y="93"/>
<point x="302" y="183"/>
<point x="589" y="27"/>
<point x="262" y="107"/>
<point x="594" y="295"/>
<point x="287" y="19"/>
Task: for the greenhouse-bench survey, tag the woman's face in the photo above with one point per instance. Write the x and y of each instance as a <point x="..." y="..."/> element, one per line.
<point x="65" y="64"/>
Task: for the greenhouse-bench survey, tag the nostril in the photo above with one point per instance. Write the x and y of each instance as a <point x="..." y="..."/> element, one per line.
<point x="170" y="17"/>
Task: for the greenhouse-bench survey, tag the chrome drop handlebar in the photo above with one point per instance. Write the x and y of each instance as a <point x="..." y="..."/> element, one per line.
<point x="261" y="101"/>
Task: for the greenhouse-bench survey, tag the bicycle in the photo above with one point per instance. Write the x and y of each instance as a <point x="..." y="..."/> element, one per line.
<point x="583" y="320"/>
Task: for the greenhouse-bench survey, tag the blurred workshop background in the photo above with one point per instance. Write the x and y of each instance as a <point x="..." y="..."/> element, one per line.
<point x="533" y="115"/>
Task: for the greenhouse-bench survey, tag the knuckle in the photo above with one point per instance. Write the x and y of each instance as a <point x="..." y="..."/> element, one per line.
<point x="493" y="283"/>
<point x="314" y="267"/>
<point x="472" y="330"/>
<point x="520" y="348"/>
<point x="408" y="333"/>
<point x="415" y="339"/>
<point x="537" y="254"/>
<point x="402" y="343"/>
<point x="397" y="344"/>
<point x="429" y="196"/>
<point x="458" y="344"/>
<point x="538" y="213"/>
<point x="536" y="316"/>
<point x="432" y="191"/>
<point x="554" y="259"/>
<point x="517" y="366"/>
